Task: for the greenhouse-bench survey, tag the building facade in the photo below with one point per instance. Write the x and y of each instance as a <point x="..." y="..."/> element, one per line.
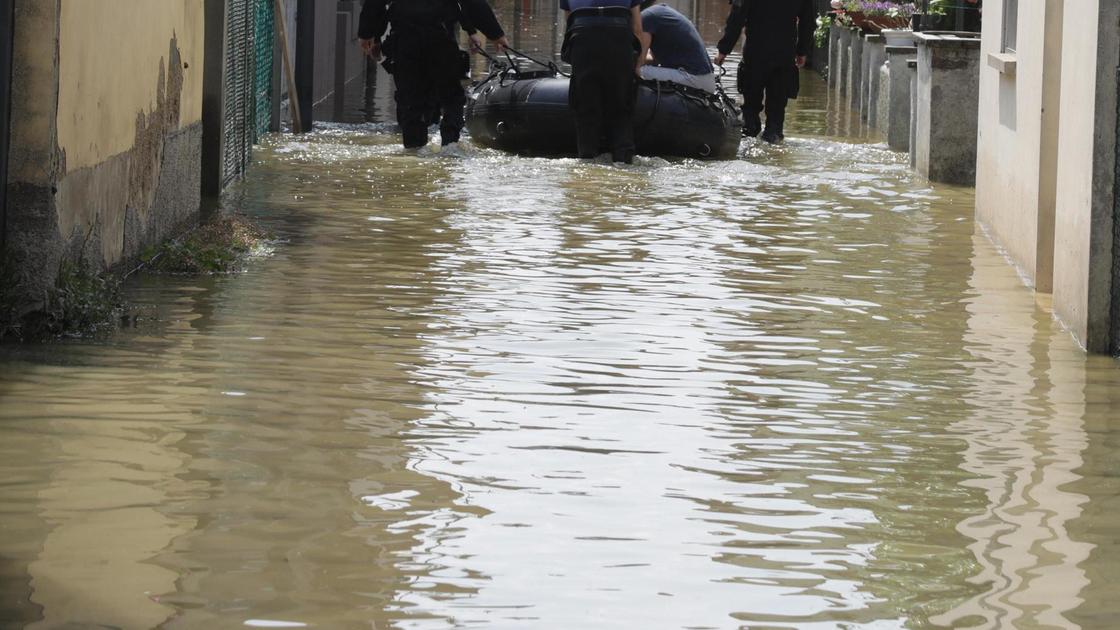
<point x="1047" y="154"/>
<point x="105" y="128"/>
<point x="126" y="116"/>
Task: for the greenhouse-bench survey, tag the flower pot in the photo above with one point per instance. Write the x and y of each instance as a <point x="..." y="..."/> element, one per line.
<point x="898" y="37"/>
<point x="876" y="23"/>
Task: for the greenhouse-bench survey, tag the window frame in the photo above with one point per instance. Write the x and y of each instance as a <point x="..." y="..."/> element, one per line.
<point x="1009" y="37"/>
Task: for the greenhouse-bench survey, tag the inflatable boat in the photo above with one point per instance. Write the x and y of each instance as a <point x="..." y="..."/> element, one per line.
<point x="528" y="113"/>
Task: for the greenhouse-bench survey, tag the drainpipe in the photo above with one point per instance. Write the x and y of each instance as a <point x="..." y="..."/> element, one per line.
<point x="7" y="35"/>
<point x="305" y="62"/>
<point x="213" y="105"/>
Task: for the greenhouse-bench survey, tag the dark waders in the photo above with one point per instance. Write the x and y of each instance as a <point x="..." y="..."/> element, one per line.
<point x="764" y="84"/>
<point x="427" y="67"/>
<point x="600" y="45"/>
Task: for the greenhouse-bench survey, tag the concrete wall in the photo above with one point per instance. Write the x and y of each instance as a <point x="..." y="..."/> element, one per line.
<point x="327" y="46"/>
<point x="34" y="94"/>
<point x="106" y="127"/>
<point x="946" y="99"/>
<point x="1014" y="178"/>
<point x="1086" y="177"/>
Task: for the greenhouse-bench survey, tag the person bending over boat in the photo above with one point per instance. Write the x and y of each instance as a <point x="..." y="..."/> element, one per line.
<point x="677" y="50"/>
<point x="779" y="35"/>
<point x="603" y="43"/>
<point x="427" y="64"/>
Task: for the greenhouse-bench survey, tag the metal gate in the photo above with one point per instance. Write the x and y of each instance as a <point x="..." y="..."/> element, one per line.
<point x="248" y="86"/>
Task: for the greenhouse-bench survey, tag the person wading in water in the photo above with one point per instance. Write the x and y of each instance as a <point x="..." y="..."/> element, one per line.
<point x="779" y="36"/>
<point x="603" y="42"/>
<point x="425" y="60"/>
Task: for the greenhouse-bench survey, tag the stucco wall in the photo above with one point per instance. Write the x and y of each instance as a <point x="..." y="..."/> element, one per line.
<point x="106" y="130"/>
<point x="1009" y="145"/>
<point x="110" y="54"/>
<point x="1086" y="170"/>
<point x="129" y="104"/>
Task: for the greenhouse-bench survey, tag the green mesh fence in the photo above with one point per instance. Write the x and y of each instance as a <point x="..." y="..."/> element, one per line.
<point x="248" y="82"/>
<point x="264" y="43"/>
<point x="237" y="131"/>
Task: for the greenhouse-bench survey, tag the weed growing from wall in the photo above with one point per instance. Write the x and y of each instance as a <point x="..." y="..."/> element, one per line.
<point x="83" y="301"/>
<point x="220" y="246"/>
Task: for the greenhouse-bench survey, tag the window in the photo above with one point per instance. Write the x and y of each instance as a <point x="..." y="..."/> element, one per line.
<point x="1010" y="24"/>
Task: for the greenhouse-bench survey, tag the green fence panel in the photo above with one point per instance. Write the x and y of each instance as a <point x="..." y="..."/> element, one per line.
<point x="264" y="45"/>
<point x="237" y="129"/>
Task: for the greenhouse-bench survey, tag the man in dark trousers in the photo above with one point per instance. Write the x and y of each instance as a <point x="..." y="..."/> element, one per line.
<point x="427" y="64"/>
<point x="603" y="42"/>
<point x="779" y="37"/>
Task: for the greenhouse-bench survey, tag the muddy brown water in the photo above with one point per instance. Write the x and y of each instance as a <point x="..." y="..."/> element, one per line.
<point x="794" y="390"/>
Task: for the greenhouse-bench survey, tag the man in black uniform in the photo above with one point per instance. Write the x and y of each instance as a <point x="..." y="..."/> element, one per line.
<point x="779" y="35"/>
<point x="427" y="64"/>
<point x="604" y="44"/>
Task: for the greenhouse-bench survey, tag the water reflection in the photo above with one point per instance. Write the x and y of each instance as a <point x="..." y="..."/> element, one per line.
<point x="792" y="390"/>
<point x="1025" y="446"/>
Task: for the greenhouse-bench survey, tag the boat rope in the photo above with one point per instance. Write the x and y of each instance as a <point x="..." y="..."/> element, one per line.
<point x="551" y="66"/>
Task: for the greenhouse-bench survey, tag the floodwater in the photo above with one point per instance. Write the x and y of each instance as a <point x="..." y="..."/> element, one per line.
<point x="795" y="390"/>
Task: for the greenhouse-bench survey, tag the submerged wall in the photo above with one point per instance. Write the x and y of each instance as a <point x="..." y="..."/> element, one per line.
<point x="106" y="127"/>
<point x="1047" y="161"/>
<point x="1015" y="166"/>
<point x="1086" y="193"/>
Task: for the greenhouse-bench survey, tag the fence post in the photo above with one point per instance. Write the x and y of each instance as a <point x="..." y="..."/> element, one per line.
<point x="305" y="62"/>
<point x="341" y="46"/>
<point x="213" y="105"/>
<point x="278" y="62"/>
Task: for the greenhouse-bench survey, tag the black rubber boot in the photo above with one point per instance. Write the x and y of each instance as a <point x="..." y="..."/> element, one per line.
<point x="773" y="137"/>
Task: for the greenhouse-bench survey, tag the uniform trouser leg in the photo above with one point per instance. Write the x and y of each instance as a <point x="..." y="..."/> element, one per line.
<point x="777" y="98"/>
<point x="589" y="121"/>
<point x="452" y="101"/>
<point x="602" y="92"/>
<point x="426" y="73"/>
<point x="751" y="86"/>
<point x="448" y="96"/>
<point x="413" y="96"/>
<point x="619" y="115"/>
<point x="585" y="95"/>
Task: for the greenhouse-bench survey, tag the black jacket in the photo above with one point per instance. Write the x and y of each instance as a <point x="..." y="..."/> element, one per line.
<point x="777" y="29"/>
<point x="473" y="15"/>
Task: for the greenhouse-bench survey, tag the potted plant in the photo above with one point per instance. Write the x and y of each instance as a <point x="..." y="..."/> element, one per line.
<point x="876" y="16"/>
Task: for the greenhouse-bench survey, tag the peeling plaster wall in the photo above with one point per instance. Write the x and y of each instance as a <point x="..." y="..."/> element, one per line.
<point x="106" y="129"/>
<point x="128" y="121"/>
<point x="113" y="58"/>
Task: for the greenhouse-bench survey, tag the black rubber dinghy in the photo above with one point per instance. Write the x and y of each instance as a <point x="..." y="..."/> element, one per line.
<point x="528" y="114"/>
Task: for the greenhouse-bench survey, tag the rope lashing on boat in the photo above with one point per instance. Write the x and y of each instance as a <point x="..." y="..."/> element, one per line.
<point x="510" y="63"/>
<point x="551" y="65"/>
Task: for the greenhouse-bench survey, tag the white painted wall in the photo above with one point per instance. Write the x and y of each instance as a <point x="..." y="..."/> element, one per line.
<point x="1086" y="170"/>
<point x="1009" y="147"/>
